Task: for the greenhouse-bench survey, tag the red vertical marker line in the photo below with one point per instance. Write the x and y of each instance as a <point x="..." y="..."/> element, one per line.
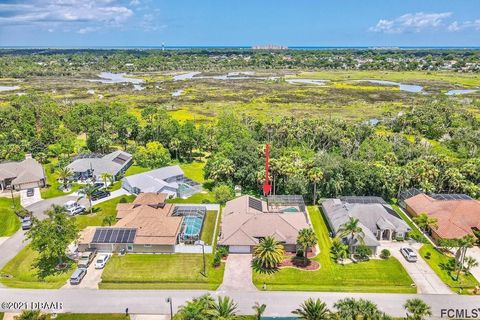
<point x="266" y="185"/>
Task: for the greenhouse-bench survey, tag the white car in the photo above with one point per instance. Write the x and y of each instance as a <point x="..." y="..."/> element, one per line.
<point x="73" y="208"/>
<point x="409" y="254"/>
<point x="102" y="260"/>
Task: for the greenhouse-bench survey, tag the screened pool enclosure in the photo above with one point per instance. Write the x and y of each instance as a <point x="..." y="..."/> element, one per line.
<point x="193" y="217"/>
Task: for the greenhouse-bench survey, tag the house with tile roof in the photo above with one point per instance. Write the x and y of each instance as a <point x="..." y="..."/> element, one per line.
<point x="246" y="220"/>
<point x="21" y="175"/>
<point x="147" y="225"/>
<point x="378" y="220"/>
<point x="457" y="215"/>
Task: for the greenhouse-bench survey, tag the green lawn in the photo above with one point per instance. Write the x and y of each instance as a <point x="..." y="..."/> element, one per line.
<point x="437" y="262"/>
<point x="203" y="197"/>
<point x="24" y="276"/>
<point x="9" y="222"/>
<point x="194" y="170"/>
<point x="101" y="210"/>
<point x="209" y="227"/>
<point x="92" y="316"/>
<point x="52" y="190"/>
<point x="372" y="276"/>
<point x="160" y="271"/>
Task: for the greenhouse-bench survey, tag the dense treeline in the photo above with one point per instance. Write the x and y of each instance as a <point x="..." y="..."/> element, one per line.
<point x="434" y="148"/>
<point x="44" y="62"/>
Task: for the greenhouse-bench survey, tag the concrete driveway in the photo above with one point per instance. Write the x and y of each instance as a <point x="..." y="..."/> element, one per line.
<point x="91" y="279"/>
<point x="11" y="246"/>
<point x="425" y="278"/>
<point x="26" y="201"/>
<point x="475" y="253"/>
<point x="238" y="273"/>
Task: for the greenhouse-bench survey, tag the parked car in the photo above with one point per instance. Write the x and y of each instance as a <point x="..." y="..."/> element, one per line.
<point x="77" y="276"/>
<point x="409" y="254"/>
<point x="102" y="260"/>
<point x="73" y="207"/>
<point x="26" y="223"/>
<point x="30" y="192"/>
<point x="100" y="194"/>
<point x="86" y="258"/>
<point x="98" y="185"/>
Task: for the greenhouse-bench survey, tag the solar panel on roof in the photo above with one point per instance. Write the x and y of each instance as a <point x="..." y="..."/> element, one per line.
<point x="255" y="204"/>
<point x="114" y="235"/>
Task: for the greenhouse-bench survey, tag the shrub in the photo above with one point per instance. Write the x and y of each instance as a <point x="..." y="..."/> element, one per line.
<point x="300" y="253"/>
<point x="428" y="255"/>
<point x="123" y="200"/>
<point x="222" y="251"/>
<point x="385" y="254"/>
<point x="363" y="252"/>
<point x="205" y="201"/>
<point x="223" y="193"/>
<point x="417" y="237"/>
<point x="217" y="259"/>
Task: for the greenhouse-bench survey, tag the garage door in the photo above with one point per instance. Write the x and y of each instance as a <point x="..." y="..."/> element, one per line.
<point x="239" y="249"/>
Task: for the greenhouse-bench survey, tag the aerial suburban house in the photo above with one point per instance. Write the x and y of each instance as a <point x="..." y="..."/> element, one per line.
<point x="24" y="174"/>
<point x="169" y="180"/>
<point x="378" y="220"/>
<point x="148" y="225"/>
<point x="457" y="215"/>
<point x="91" y="166"/>
<point x="246" y="220"/>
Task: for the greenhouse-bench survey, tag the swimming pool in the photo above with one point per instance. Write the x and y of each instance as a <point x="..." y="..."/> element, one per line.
<point x="192" y="226"/>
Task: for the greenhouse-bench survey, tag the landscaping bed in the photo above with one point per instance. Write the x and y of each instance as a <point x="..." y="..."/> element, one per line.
<point x="371" y="276"/>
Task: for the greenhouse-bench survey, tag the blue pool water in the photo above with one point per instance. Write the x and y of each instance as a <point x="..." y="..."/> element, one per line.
<point x="193" y="226"/>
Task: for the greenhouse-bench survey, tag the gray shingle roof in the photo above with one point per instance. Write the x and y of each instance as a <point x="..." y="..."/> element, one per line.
<point x="155" y="180"/>
<point x="111" y="163"/>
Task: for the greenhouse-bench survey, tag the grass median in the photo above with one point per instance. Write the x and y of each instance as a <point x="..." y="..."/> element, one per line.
<point x="371" y="276"/>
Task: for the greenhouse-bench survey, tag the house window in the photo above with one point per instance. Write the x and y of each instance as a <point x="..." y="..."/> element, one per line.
<point x="147" y="245"/>
<point x="129" y="247"/>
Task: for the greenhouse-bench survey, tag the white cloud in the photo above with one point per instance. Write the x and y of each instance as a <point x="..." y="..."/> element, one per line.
<point x="411" y="22"/>
<point x="458" y="26"/>
<point x="82" y="15"/>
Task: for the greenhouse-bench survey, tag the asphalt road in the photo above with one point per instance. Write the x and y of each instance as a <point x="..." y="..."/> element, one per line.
<point x="11" y="246"/>
<point x="154" y="301"/>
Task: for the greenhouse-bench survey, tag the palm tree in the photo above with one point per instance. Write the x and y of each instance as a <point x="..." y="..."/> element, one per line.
<point x="109" y="220"/>
<point x="31" y="315"/>
<point x="469" y="263"/>
<point x="197" y="308"/>
<point x="88" y="192"/>
<point x="463" y="243"/>
<point x="312" y="310"/>
<point x="417" y="309"/>
<point x="225" y="308"/>
<point x="423" y="221"/>
<point x="315" y="175"/>
<point x="306" y="239"/>
<point x="350" y="308"/>
<point x="259" y="310"/>
<point x="352" y="228"/>
<point x="105" y="176"/>
<point x="339" y="250"/>
<point x="64" y="174"/>
<point x="269" y="253"/>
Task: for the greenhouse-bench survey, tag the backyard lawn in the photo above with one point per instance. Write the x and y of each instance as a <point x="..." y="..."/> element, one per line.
<point x="194" y="170"/>
<point x="9" y="222"/>
<point x="203" y="197"/>
<point x="24" y="276"/>
<point x="209" y="227"/>
<point x="438" y="261"/>
<point x="161" y="271"/>
<point x="372" y="276"/>
<point x="101" y="210"/>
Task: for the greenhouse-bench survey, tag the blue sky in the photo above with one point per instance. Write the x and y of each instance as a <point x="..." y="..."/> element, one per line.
<point x="240" y="22"/>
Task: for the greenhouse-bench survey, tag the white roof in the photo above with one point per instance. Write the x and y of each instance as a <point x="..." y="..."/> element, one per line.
<point x="155" y="180"/>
